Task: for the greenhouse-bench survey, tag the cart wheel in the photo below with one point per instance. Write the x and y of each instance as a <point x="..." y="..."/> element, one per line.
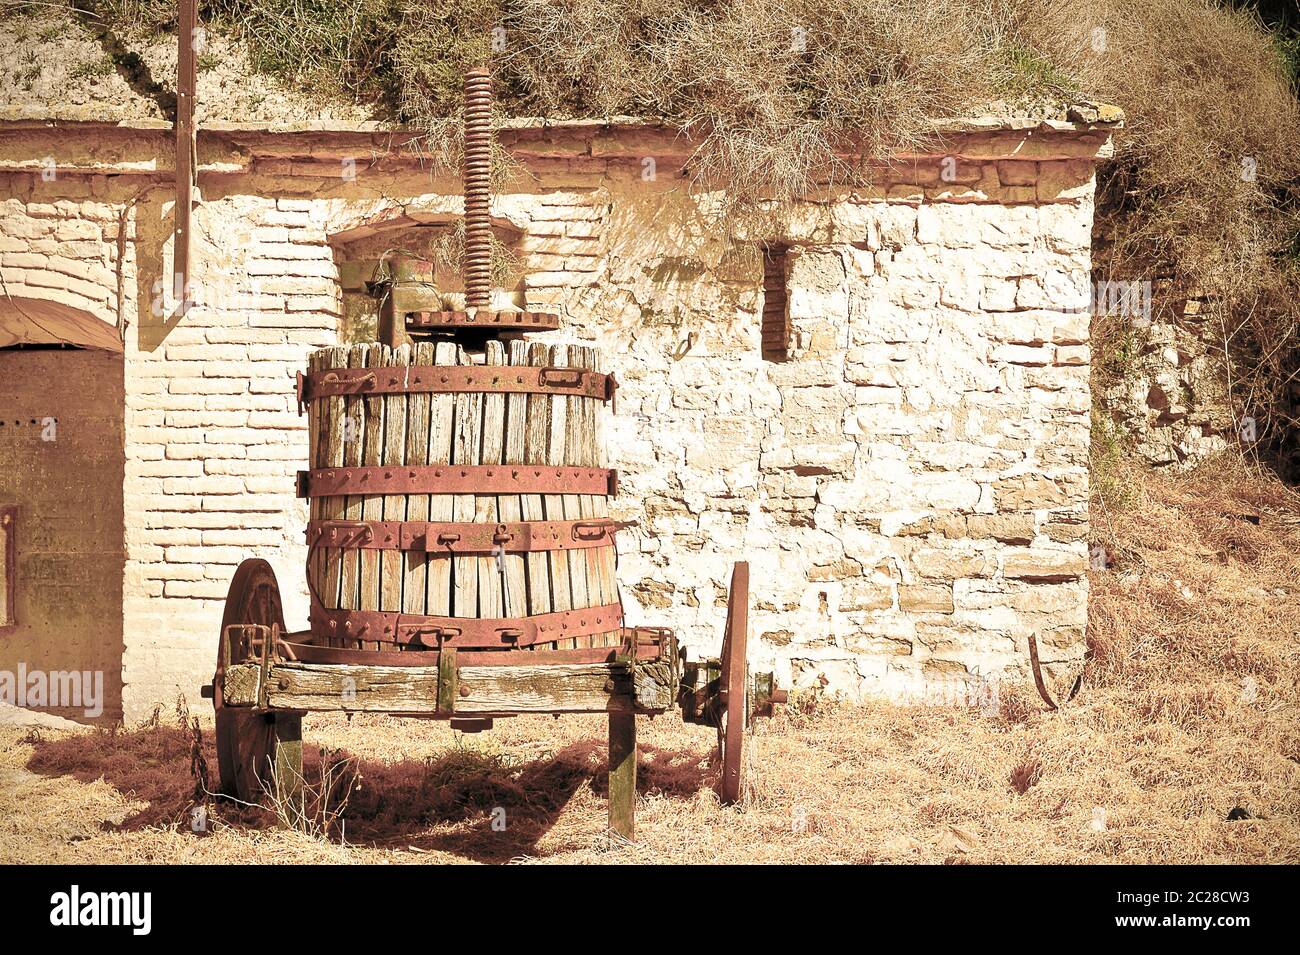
<point x="246" y="738"/>
<point x="734" y="686"/>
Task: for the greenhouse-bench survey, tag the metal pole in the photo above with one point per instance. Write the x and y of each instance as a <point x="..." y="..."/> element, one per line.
<point x="187" y="28"/>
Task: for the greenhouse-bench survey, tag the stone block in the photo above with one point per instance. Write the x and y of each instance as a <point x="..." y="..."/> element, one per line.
<point x="1028" y="492"/>
<point x="1008" y="528"/>
<point x="1046" y="565"/>
<point x="925" y="598"/>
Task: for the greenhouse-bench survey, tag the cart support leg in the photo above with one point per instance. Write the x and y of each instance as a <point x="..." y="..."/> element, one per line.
<point x="288" y="757"/>
<point x="622" y="774"/>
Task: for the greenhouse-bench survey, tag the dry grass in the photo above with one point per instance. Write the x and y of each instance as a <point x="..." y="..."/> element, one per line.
<point x="770" y="92"/>
<point x="1187" y="712"/>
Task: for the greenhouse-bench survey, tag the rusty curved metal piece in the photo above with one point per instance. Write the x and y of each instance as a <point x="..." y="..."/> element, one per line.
<point x="457" y="479"/>
<point x="1041" y="684"/>
<point x="477" y="633"/>
<point x="1037" y="667"/>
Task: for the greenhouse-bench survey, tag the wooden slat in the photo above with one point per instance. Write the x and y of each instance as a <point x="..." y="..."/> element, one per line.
<point x="577" y="450"/>
<point x="594" y="505"/>
<point x="491" y="451"/>
<point x="576" y="441"/>
<point x="553" y="688"/>
<point x="417" y="505"/>
<point x="317" y="426"/>
<point x="608" y="555"/>
<point x="335" y="454"/>
<point x="535" y="451"/>
<point x="353" y="438"/>
<point x="466" y="445"/>
<point x="553" y="504"/>
<point x="392" y="563"/>
<point x="511" y="506"/>
<point x="442" y="416"/>
<point x="372" y="505"/>
<point x="602" y="560"/>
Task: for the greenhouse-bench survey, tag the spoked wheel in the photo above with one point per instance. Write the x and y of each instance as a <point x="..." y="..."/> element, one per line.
<point x="734" y="686"/>
<point x="246" y="738"/>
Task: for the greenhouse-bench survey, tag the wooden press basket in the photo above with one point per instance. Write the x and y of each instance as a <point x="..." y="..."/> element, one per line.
<point x="459" y="501"/>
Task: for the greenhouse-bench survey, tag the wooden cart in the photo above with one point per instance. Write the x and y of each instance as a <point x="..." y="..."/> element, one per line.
<point x="461" y="558"/>
<point x="260" y="693"/>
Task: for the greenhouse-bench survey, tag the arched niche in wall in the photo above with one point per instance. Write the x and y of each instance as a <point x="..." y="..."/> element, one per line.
<point x="363" y="249"/>
<point x="34" y="321"/>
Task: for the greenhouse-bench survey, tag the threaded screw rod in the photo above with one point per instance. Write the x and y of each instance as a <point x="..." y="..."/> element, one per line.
<point x="478" y="188"/>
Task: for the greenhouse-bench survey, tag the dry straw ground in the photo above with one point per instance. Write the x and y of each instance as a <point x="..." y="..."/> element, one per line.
<point x="1188" y="712"/>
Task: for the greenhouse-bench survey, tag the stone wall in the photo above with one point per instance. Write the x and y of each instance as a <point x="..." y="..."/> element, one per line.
<point x="910" y="486"/>
<point x="1167" y="383"/>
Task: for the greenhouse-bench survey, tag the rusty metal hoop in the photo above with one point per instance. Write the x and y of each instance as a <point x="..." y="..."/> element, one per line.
<point x="483" y="319"/>
<point x="246" y="738"/>
<point x="734" y="686"/>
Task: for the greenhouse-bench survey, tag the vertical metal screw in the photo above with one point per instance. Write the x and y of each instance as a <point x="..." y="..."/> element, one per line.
<point x="478" y="186"/>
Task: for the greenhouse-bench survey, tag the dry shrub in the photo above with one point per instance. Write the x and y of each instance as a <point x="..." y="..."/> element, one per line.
<point x="433" y="46"/>
<point x="584" y="57"/>
<point x="1206" y="91"/>
<point x="317" y="808"/>
<point x="1202" y="191"/>
<point x="771" y="92"/>
<point x="1017" y="704"/>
